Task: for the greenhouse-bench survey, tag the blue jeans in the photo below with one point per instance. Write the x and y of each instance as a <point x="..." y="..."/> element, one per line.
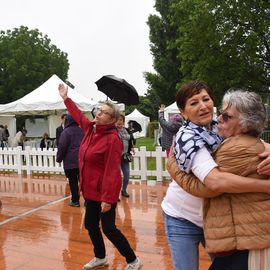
<point x="184" y="238"/>
<point x="126" y="171"/>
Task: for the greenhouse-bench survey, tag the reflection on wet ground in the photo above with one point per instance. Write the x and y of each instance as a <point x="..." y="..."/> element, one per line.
<point x="38" y="230"/>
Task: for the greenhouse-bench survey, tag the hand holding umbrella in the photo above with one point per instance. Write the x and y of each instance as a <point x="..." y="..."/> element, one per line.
<point x="134" y="126"/>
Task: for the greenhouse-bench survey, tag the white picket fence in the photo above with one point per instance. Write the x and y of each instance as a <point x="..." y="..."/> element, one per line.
<point x="37" y="161"/>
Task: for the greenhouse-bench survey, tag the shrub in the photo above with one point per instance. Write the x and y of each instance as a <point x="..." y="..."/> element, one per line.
<point x="151" y="128"/>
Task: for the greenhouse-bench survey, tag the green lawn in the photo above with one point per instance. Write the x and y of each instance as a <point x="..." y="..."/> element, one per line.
<point x="149" y="144"/>
<point x="146" y="141"/>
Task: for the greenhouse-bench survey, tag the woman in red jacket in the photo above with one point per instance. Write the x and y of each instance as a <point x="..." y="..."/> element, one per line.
<point x="100" y="179"/>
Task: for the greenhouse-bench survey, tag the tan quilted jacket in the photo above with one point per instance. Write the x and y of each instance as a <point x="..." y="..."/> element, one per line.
<point x="232" y="221"/>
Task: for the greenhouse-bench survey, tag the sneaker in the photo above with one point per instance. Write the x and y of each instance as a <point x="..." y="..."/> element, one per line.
<point x="137" y="264"/>
<point x="125" y="194"/>
<point x="74" y="204"/>
<point x="96" y="263"/>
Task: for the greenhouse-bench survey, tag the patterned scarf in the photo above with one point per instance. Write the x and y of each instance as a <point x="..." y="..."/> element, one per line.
<point x="190" y="138"/>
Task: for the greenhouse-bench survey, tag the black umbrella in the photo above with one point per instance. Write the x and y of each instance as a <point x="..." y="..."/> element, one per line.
<point x="93" y="112"/>
<point x="118" y="89"/>
<point x="134" y="126"/>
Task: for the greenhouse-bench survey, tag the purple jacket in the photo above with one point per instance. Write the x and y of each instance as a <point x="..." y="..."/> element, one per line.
<point x="69" y="144"/>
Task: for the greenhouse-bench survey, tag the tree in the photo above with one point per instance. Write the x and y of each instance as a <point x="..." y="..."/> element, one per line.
<point x="146" y="106"/>
<point x="225" y="43"/>
<point x="27" y="59"/>
<point x="199" y="45"/>
<point x="165" y="54"/>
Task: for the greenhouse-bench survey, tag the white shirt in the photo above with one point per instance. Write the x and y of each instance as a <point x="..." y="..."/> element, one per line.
<point x="180" y="204"/>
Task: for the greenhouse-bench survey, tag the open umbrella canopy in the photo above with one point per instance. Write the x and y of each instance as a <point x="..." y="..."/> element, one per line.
<point x="134" y="126"/>
<point x="118" y="89"/>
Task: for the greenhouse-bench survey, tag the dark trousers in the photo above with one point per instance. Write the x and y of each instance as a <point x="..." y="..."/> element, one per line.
<point x="73" y="179"/>
<point x="126" y="171"/>
<point x="93" y="216"/>
<point x="235" y="261"/>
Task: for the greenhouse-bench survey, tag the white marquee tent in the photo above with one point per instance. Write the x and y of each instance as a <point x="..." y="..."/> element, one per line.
<point x="170" y="110"/>
<point x="45" y="100"/>
<point x="141" y="119"/>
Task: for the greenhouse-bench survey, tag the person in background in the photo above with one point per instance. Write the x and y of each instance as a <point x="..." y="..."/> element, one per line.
<point x="169" y="128"/>
<point x="19" y="138"/>
<point x="131" y="131"/>
<point x="127" y="151"/>
<point x="6" y="135"/>
<point x="60" y="128"/>
<point x="2" y="135"/>
<point x="46" y="141"/>
<point x="100" y="180"/>
<point x="68" y="152"/>
<point x="23" y="137"/>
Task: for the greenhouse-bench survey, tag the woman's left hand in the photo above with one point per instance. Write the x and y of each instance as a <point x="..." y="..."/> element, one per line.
<point x="264" y="166"/>
<point x="105" y="207"/>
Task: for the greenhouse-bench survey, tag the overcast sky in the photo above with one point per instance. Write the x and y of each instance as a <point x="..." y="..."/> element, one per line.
<point x="101" y="37"/>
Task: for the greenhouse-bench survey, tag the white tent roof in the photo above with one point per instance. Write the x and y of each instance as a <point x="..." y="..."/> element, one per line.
<point x="141" y="119"/>
<point x="45" y="100"/>
<point x="136" y="114"/>
<point x="173" y="106"/>
<point x="171" y="109"/>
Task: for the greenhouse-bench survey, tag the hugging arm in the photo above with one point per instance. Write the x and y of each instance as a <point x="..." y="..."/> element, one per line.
<point x="264" y="166"/>
<point x="189" y="182"/>
<point x="216" y="182"/>
<point x="236" y="172"/>
<point x="238" y="160"/>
